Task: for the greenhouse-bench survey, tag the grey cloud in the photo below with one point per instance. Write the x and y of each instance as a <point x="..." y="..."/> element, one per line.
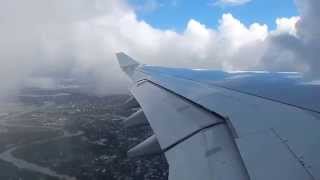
<point x="281" y="53"/>
<point x="38" y="39"/>
<point x="300" y="52"/>
<point x="309" y="31"/>
<point x="309" y="25"/>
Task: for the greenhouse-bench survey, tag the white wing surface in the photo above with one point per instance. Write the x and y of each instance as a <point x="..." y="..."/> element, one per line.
<point x="214" y="125"/>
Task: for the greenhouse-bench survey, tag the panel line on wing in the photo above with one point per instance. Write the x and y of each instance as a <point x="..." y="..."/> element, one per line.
<point x="138" y="83"/>
<point x="239" y="91"/>
<point x="191" y="135"/>
<point x="300" y="160"/>
<point x="223" y="121"/>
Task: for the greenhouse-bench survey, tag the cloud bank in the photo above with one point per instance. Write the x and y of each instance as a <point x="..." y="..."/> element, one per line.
<point x="46" y="40"/>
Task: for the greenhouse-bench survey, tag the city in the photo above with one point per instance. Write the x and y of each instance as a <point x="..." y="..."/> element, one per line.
<point x="54" y="134"/>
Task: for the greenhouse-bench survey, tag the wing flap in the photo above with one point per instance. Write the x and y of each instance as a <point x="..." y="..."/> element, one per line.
<point x="208" y="155"/>
<point x="171" y="117"/>
<point x="197" y="143"/>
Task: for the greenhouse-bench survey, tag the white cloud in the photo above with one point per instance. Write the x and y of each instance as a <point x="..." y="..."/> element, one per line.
<point x="233" y="30"/>
<point x="54" y="40"/>
<point x="287" y="25"/>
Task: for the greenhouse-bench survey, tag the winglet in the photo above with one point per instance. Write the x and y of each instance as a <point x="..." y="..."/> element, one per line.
<point x="127" y="64"/>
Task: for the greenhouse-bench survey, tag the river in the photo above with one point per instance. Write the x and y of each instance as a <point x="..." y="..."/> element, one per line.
<point x="20" y="163"/>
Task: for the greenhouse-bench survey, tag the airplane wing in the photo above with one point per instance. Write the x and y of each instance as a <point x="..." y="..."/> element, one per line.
<point x="214" y="125"/>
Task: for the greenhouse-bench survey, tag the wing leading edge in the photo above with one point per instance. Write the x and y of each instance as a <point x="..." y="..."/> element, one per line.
<point x="209" y="131"/>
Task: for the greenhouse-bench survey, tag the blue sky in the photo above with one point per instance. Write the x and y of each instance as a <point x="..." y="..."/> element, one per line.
<point x="174" y="14"/>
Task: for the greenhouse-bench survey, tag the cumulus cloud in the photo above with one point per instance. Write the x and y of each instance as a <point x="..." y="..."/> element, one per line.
<point x="286" y="26"/>
<point x="296" y="49"/>
<point x="49" y="40"/>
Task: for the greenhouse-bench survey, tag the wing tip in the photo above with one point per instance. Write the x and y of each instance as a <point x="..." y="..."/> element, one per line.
<point x="127" y="64"/>
<point x="125" y="60"/>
